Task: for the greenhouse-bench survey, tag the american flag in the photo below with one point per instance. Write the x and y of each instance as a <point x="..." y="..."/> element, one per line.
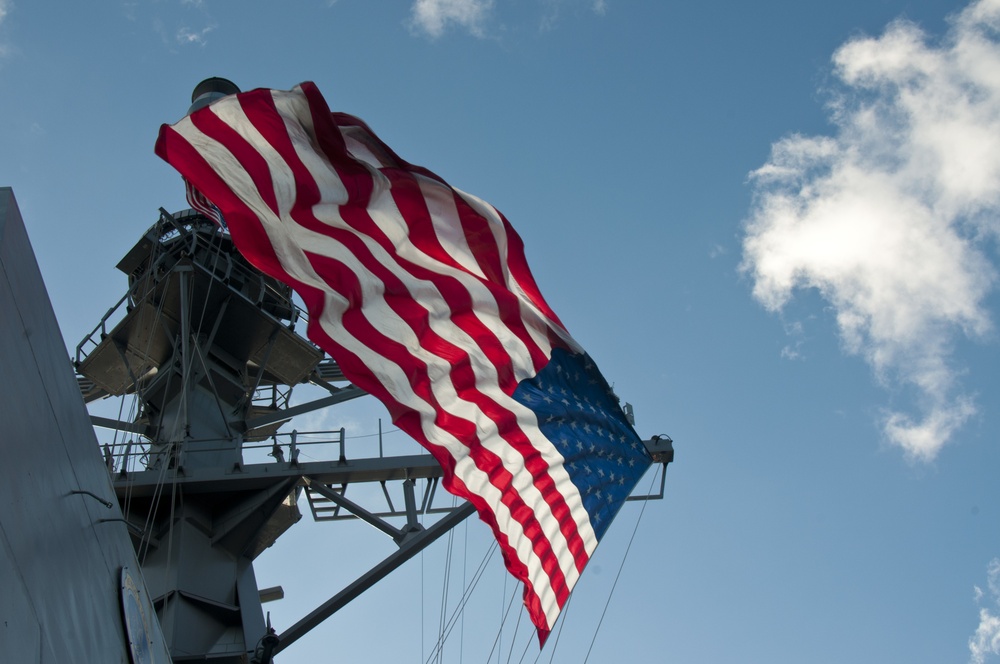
<point x="203" y="205"/>
<point x="423" y="296"/>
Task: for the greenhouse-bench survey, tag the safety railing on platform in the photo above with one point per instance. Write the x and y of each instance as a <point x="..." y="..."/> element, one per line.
<point x="287" y="446"/>
<point x="242" y="279"/>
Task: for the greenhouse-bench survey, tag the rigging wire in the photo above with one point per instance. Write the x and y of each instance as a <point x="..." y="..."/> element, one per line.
<point x="444" y="585"/>
<point x="562" y="623"/>
<point x="465" y="560"/>
<point x="114" y="450"/>
<point x="465" y="598"/>
<point x="503" y="617"/>
<point x="422" y="602"/>
<point x="142" y="288"/>
<point x="133" y="413"/>
<point x="620" y="568"/>
<point x="513" y="638"/>
<point x="170" y="553"/>
<point x="527" y="644"/>
<point x="506" y="613"/>
<point x="114" y="439"/>
<point x="147" y="529"/>
<point x="187" y="363"/>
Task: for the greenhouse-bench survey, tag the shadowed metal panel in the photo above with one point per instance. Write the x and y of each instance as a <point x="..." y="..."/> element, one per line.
<point x="60" y="561"/>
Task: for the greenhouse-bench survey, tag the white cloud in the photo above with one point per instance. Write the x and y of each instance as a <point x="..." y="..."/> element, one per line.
<point x="554" y="9"/>
<point x="888" y="218"/>
<point x="129" y="7"/>
<point x="186" y="35"/>
<point x="5" y="7"/>
<point x="986" y="640"/>
<point x="792" y="352"/>
<point x="434" y="16"/>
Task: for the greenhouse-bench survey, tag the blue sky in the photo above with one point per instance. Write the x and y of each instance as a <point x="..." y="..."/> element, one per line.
<point x="774" y="225"/>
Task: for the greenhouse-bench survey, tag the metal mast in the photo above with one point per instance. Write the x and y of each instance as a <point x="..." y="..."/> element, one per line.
<point x="207" y="346"/>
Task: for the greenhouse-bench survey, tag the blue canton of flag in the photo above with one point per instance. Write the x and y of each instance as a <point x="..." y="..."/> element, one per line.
<point x="579" y="413"/>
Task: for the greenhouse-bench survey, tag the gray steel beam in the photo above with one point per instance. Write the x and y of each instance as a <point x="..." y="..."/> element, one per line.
<point x="345" y="394"/>
<point x="256" y="476"/>
<point x="411" y="547"/>
<point x="357" y="510"/>
<point x="654" y="496"/>
<point x="108" y="423"/>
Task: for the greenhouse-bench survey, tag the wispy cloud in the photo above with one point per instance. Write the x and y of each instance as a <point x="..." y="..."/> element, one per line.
<point x="5" y="7"/>
<point x="129" y="7"/>
<point x="433" y="17"/>
<point x="986" y="640"/>
<point x="186" y="35"/>
<point x="554" y="10"/>
<point x="889" y="217"/>
<point x="192" y="28"/>
<point x="793" y="351"/>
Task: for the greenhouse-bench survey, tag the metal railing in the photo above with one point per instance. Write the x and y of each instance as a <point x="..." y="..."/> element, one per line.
<point x="208" y="259"/>
<point x="134" y="455"/>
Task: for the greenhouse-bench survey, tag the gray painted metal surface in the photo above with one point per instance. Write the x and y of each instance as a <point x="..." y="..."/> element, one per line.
<point x="205" y="342"/>
<point x="61" y="549"/>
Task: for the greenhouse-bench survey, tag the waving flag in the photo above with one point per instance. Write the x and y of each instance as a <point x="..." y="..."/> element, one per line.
<point x="203" y="205"/>
<point x="422" y="295"/>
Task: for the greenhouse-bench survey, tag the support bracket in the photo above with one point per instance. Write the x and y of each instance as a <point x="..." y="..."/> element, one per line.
<point x="410" y="547"/>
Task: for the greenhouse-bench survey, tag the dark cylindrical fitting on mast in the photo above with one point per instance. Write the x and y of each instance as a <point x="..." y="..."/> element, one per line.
<point x="209" y="90"/>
